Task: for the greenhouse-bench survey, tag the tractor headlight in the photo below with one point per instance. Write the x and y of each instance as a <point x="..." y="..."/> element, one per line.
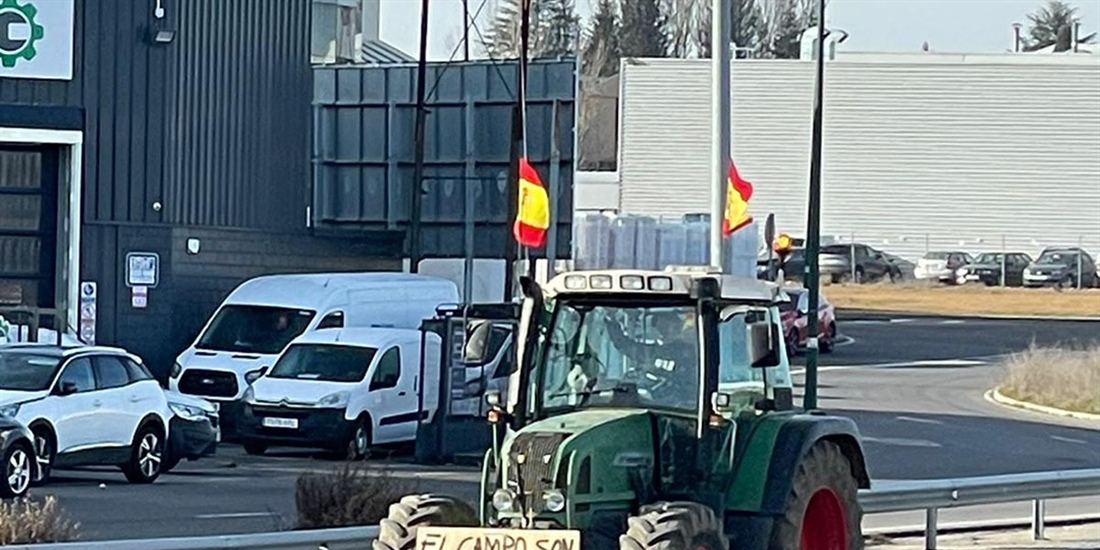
<point x="504" y="500"/>
<point x="555" y="500"/>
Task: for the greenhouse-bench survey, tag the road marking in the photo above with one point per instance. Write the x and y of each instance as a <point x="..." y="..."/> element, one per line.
<point x="902" y="442"/>
<point x="1068" y="440"/>
<point x="952" y="321"/>
<point x="238" y="515"/>
<point x="924" y="363"/>
<point x="918" y="420"/>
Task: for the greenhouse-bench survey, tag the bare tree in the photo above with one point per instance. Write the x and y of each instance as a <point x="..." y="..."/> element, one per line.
<point x="554" y="29"/>
<point x="598" y="101"/>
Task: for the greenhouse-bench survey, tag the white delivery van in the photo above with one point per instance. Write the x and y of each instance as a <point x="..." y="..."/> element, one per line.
<point x="262" y="315"/>
<point x="345" y="390"/>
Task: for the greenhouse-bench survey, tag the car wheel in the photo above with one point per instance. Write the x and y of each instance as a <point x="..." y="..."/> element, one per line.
<point x="254" y="448"/>
<point x="44" y="453"/>
<point x="358" y="447"/>
<point x="146" y="456"/>
<point x="18" y="469"/>
<point x="859" y="276"/>
<point x="829" y="342"/>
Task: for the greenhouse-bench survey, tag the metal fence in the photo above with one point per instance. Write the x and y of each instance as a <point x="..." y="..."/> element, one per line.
<point x="898" y="496"/>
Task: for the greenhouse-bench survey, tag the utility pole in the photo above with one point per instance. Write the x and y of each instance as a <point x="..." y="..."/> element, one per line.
<point x="720" y="124"/>
<point x="466" y="30"/>
<point x="813" y="229"/>
<point x="418" y="169"/>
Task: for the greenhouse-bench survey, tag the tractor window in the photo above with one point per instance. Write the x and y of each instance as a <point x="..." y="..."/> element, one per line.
<point x="607" y="356"/>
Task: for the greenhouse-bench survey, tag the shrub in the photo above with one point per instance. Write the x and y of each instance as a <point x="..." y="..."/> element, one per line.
<point x="351" y="495"/>
<point x="27" y="521"/>
<point x="1064" y="378"/>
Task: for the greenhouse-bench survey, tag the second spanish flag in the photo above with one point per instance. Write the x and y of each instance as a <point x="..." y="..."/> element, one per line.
<point x="738" y="193"/>
<point x="533" y="213"/>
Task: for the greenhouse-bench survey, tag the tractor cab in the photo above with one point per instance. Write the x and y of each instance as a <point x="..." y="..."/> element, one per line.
<point x="648" y="409"/>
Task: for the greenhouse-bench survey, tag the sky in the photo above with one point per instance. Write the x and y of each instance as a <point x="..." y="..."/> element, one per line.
<point x="970" y="26"/>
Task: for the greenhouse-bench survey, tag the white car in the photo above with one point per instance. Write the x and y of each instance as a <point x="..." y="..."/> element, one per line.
<point x="86" y="406"/>
<point x="345" y="390"/>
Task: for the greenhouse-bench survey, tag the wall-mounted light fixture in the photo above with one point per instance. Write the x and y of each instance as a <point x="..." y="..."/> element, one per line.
<point x="158" y="11"/>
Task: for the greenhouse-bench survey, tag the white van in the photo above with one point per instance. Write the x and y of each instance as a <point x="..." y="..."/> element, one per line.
<point x="258" y="319"/>
<point x="345" y="390"/>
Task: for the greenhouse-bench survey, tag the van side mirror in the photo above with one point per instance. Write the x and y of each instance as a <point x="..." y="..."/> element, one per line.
<point x="66" y="388"/>
<point x="765" y="345"/>
<point x="255" y="375"/>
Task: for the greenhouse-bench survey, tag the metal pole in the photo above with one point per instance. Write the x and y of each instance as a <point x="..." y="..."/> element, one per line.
<point x="1004" y="262"/>
<point x="930" y="528"/>
<point x="468" y="205"/>
<point x="525" y="32"/>
<point x="554" y="185"/>
<point x="1038" y="519"/>
<point x="720" y="123"/>
<point x="1080" y="274"/>
<point x="852" y="257"/>
<point x="466" y="30"/>
<point x="813" y="230"/>
<point x="418" y="170"/>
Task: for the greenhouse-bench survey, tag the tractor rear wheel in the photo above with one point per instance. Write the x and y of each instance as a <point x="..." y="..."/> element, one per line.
<point x="822" y="511"/>
<point x="674" y="526"/>
<point x="398" y="530"/>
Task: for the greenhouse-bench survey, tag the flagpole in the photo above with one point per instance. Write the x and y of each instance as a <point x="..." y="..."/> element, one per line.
<point x="720" y="124"/>
<point x="525" y="31"/>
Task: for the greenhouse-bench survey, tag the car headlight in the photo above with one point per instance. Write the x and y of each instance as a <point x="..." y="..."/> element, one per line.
<point x="504" y="500"/>
<point x="555" y="500"/>
<point x="10" y="410"/>
<point x="336" y="400"/>
<point x="249" y="396"/>
<point x="177" y="370"/>
<point x="187" y="412"/>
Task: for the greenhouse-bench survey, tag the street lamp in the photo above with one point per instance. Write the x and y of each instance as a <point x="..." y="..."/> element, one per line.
<point x="813" y="230"/>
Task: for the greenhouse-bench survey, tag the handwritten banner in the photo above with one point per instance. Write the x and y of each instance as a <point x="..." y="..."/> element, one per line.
<point x="466" y="538"/>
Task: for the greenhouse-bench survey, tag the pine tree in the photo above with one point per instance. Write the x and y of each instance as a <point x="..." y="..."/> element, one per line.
<point x="1053" y="25"/>
<point x="791" y="19"/>
<point x="745" y="28"/>
<point x="554" y="29"/>
<point x="643" y="29"/>
<point x="602" y="50"/>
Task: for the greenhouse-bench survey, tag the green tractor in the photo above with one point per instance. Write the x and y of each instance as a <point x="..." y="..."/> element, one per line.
<point x="650" y="410"/>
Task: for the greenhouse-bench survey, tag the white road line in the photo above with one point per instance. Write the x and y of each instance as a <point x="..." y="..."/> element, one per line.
<point x="925" y="363"/>
<point x="952" y="321"/>
<point x="1068" y="440"/>
<point x="238" y="515"/>
<point x="902" y="442"/>
<point x="917" y="420"/>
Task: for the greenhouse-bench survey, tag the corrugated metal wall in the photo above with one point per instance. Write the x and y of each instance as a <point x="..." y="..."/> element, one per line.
<point x="214" y="125"/>
<point x="938" y="152"/>
<point x="364" y="149"/>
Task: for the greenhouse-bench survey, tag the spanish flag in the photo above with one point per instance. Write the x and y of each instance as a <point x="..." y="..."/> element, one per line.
<point x="533" y="213"/>
<point x="738" y="193"/>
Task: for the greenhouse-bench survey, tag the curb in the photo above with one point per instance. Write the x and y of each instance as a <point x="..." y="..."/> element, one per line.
<point x="995" y="396"/>
<point x="857" y="314"/>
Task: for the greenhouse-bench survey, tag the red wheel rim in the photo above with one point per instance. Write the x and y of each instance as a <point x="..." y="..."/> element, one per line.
<point x="825" y="525"/>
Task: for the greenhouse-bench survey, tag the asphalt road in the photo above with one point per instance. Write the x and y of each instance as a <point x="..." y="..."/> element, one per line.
<point x="914" y="385"/>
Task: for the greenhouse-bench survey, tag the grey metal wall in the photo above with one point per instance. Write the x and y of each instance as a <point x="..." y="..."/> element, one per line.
<point x="364" y="149"/>
<point x="213" y="125"/>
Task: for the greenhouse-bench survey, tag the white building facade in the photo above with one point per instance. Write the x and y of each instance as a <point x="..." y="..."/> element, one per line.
<point x="922" y="151"/>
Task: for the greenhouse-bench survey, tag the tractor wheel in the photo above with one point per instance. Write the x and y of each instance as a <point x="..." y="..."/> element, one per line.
<point x="674" y="526"/>
<point x="398" y="530"/>
<point x="822" y="511"/>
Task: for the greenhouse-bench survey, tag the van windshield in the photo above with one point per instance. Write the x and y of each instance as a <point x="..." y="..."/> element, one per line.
<point x="324" y="362"/>
<point x="254" y="329"/>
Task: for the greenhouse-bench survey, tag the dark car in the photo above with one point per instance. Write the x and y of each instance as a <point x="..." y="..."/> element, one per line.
<point x="193" y="428"/>
<point x="1062" y="267"/>
<point x="836" y="264"/>
<point x="794" y="265"/>
<point x="17" y="453"/>
<point x="986" y="268"/>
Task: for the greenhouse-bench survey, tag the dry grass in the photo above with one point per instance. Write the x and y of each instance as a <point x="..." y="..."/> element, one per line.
<point x="965" y="300"/>
<point x="351" y="495"/>
<point x="27" y="521"/>
<point x="1067" y="379"/>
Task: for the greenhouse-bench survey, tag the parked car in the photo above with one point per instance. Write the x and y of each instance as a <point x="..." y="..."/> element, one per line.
<point x="795" y="325"/>
<point x="835" y="264"/>
<point x="345" y="390"/>
<point x="942" y="266"/>
<point x="17" y="458"/>
<point x="986" y="268"/>
<point x="86" y="406"/>
<point x="194" y="430"/>
<point x="794" y="265"/>
<point x="1059" y="266"/>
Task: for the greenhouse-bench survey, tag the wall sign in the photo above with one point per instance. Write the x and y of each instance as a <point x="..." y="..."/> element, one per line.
<point x="139" y="297"/>
<point x="87" y="312"/>
<point x="36" y="39"/>
<point x="142" y="269"/>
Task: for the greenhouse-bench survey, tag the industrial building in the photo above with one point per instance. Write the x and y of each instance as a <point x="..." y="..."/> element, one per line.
<point x="921" y="151"/>
<point x="156" y="153"/>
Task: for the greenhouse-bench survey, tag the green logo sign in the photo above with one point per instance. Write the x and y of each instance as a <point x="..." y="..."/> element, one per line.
<point x="18" y="32"/>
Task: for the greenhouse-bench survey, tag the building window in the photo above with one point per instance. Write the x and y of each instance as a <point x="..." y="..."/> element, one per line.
<point x="337" y="31"/>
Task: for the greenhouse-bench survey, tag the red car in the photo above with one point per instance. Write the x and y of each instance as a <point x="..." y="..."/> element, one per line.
<point x="794" y="321"/>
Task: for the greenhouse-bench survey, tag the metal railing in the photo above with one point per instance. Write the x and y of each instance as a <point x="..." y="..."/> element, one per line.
<point x="897" y="496"/>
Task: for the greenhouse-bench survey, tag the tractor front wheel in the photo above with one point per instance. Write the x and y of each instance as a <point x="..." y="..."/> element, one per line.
<point x="822" y="511"/>
<point x="398" y="530"/>
<point x="674" y="526"/>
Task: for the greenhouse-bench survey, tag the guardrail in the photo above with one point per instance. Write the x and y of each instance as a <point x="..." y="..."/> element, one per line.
<point x="895" y="496"/>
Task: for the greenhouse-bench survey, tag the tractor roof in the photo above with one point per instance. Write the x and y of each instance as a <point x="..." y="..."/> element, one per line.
<point x="674" y="281"/>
